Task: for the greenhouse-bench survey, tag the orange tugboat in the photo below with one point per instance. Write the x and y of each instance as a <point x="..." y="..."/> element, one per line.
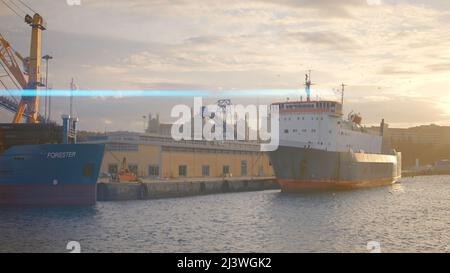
<point x="125" y="175"/>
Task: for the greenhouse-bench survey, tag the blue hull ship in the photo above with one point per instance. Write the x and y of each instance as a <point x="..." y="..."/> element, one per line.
<point x="41" y="164"/>
<point x="50" y="174"/>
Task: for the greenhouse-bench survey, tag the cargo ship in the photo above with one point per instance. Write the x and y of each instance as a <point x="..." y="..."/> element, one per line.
<point x="38" y="167"/>
<point x="321" y="150"/>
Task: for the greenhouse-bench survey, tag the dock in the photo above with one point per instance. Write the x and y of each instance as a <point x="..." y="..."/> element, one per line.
<point x="154" y="189"/>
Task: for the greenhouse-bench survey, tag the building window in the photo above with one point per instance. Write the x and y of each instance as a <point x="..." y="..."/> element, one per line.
<point x="153" y="170"/>
<point x="133" y="168"/>
<point x="225" y="170"/>
<point x="205" y="170"/>
<point x="182" y="170"/>
<point x="112" y="169"/>
<point x="244" y="168"/>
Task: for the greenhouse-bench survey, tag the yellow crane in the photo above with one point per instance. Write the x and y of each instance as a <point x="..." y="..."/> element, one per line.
<point x="32" y="64"/>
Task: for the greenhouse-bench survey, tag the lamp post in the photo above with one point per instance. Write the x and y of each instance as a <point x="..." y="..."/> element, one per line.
<point x="144" y="119"/>
<point x="47" y="98"/>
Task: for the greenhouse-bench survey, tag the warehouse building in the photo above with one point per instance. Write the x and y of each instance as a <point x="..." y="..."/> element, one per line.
<point x="160" y="157"/>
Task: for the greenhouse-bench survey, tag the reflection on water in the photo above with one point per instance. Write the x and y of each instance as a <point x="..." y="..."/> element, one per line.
<point x="397" y="188"/>
<point x="411" y="216"/>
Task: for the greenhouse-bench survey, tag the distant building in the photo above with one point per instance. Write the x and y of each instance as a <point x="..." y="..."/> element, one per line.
<point x="154" y="126"/>
<point x="425" y="144"/>
<point x="424" y="134"/>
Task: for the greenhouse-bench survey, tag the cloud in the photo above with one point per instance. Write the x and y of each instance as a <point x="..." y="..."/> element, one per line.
<point x="439" y="67"/>
<point x="329" y="39"/>
<point x="392" y="70"/>
<point x="324" y="7"/>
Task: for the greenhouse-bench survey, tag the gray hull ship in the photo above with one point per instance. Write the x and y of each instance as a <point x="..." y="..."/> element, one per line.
<point x="319" y="149"/>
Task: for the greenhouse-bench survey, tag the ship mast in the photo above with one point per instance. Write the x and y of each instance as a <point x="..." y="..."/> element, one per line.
<point x="342" y="94"/>
<point x="308" y="85"/>
<point x="72" y="88"/>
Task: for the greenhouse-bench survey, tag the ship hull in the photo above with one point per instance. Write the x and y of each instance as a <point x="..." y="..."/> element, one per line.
<point x="302" y="169"/>
<point x="50" y="174"/>
<point x="48" y="195"/>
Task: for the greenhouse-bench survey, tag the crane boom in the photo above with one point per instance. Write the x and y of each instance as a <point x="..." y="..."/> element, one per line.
<point x="7" y="57"/>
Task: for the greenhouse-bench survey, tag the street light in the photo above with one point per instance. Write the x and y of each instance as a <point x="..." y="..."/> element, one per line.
<point x="47" y="118"/>
<point x="144" y="119"/>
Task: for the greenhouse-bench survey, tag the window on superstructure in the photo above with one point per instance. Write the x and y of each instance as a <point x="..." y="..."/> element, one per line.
<point x="286" y="131"/>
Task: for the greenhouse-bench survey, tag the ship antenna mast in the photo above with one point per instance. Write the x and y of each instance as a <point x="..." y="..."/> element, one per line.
<point x="342" y="94"/>
<point x="72" y="88"/>
<point x="308" y="85"/>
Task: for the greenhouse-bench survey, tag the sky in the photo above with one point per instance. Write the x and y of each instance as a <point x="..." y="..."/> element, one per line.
<point x="393" y="55"/>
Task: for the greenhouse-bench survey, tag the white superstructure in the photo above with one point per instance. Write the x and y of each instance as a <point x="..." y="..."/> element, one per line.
<point x="319" y="125"/>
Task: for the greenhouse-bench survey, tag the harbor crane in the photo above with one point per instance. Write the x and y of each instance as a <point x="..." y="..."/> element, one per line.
<point x="30" y="77"/>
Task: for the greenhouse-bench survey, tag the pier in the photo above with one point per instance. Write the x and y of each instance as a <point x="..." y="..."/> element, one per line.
<point x="153" y="189"/>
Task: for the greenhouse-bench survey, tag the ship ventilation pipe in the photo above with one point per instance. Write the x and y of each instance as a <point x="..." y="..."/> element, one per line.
<point x="74" y="129"/>
<point x="65" y="119"/>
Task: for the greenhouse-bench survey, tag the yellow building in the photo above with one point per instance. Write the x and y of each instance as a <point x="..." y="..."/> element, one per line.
<point x="155" y="156"/>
